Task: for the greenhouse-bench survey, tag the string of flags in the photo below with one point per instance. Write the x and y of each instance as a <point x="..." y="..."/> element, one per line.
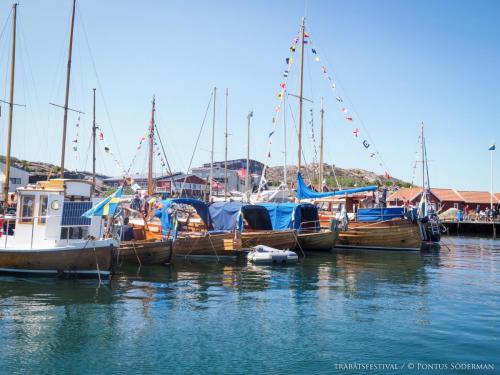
<point x="313" y="137"/>
<point x="345" y="110"/>
<point x="277" y="110"/>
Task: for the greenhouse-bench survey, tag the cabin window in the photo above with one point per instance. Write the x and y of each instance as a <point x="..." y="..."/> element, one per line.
<point x="27" y="206"/>
<point x="42" y="209"/>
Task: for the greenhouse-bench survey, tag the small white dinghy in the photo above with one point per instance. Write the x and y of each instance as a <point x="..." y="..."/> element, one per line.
<point x="265" y="254"/>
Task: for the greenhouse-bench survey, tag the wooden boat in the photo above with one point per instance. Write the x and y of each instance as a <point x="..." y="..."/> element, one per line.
<point x="145" y="252"/>
<point x="196" y="245"/>
<point x="51" y="238"/>
<point x="283" y="240"/>
<point x="323" y="240"/>
<point x="396" y="234"/>
<point x="92" y="259"/>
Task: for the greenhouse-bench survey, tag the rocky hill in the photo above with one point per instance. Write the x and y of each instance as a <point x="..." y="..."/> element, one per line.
<point x="346" y="177"/>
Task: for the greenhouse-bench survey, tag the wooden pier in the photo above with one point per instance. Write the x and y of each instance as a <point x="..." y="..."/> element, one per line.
<point x="472" y="227"/>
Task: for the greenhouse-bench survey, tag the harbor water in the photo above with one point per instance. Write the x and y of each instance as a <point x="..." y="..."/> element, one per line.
<point x="394" y="309"/>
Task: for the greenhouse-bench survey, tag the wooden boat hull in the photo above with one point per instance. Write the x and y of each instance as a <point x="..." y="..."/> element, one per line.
<point x="389" y="235"/>
<point x="317" y="241"/>
<point x="91" y="261"/>
<point x="145" y="252"/>
<point x="283" y="240"/>
<point x="207" y="245"/>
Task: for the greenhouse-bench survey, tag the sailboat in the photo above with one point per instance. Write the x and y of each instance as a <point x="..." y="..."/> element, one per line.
<point x="51" y="237"/>
<point x="144" y="248"/>
<point x="429" y="223"/>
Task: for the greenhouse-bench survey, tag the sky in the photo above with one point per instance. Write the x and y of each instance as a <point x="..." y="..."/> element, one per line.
<point x="396" y="64"/>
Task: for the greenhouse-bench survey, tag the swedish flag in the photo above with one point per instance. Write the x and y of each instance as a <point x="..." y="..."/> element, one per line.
<point x="107" y="206"/>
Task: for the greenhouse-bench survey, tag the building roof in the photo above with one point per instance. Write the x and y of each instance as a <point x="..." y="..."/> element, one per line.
<point x="404" y="194"/>
<point x="477" y="197"/>
<point x="449" y="195"/>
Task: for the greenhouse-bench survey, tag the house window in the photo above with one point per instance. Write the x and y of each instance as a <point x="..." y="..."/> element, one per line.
<point x="15" y="180"/>
<point x="27" y="206"/>
<point x="42" y="209"/>
<point x="455" y="205"/>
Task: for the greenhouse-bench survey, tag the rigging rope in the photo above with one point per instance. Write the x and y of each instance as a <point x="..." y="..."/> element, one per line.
<point x="196" y="144"/>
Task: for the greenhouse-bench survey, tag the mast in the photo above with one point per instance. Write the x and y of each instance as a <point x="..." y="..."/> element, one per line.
<point x="247" y="174"/>
<point x="151" y="188"/>
<point x="94" y="127"/>
<point x="302" y="30"/>
<point x="225" y="153"/>
<point x="284" y="139"/>
<point x="322" y="114"/>
<point x="423" y="165"/>
<point x="11" y="106"/>
<point x="212" y="151"/>
<point x="66" y="98"/>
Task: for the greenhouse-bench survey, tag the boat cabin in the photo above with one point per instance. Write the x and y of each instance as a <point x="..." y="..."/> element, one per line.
<point x="50" y="212"/>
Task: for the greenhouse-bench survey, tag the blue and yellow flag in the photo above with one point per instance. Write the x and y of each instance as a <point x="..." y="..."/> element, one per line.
<point x="107" y="206"/>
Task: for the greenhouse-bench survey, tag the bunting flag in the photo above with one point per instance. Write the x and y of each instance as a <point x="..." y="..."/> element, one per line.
<point x="101" y="136"/>
<point x="492" y="147"/>
<point x="365" y="142"/>
<point x="285" y="73"/>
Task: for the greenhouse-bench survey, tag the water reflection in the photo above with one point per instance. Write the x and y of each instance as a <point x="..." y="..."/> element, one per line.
<point x="336" y="305"/>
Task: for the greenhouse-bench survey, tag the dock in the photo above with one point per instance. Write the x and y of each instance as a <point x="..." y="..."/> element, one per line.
<point x="458" y="228"/>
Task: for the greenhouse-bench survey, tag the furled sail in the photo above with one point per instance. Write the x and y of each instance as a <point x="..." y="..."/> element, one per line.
<point x="304" y="192"/>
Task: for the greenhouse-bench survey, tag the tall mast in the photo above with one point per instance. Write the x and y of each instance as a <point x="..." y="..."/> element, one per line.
<point x="151" y="188"/>
<point x="225" y="153"/>
<point x="302" y="30"/>
<point x="212" y="151"/>
<point x="423" y="165"/>
<point x="94" y="127"/>
<point x="322" y="114"/>
<point x="66" y="98"/>
<point x="247" y="174"/>
<point x="11" y="106"/>
<point x="284" y="139"/>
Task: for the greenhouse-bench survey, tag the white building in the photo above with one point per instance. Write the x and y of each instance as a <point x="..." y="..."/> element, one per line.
<point x="18" y="178"/>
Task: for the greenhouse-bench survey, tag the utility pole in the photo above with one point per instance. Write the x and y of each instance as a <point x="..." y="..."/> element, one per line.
<point x="11" y="107"/>
<point x="302" y="31"/>
<point x="247" y="175"/>
<point x="94" y="127"/>
<point x="66" y="99"/>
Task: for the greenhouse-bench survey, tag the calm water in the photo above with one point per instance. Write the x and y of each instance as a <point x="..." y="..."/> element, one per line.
<point x="345" y="307"/>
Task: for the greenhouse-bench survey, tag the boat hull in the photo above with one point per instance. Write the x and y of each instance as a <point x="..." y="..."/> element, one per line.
<point x="203" y="245"/>
<point x="145" y="252"/>
<point x="91" y="261"/>
<point x="389" y="235"/>
<point x="317" y="241"/>
<point x="283" y="240"/>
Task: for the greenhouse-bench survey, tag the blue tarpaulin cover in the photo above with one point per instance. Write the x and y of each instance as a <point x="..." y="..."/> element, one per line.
<point x="304" y="192"/>
<point x="229" y="216"/>
<point x="165" y="214"/>
<point x="226" y="216"/>
<point x="292" y="216"/>
<point x="380" y="214"/>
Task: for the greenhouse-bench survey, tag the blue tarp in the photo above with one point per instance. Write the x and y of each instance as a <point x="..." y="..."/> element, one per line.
<point x="165" y="214"/>
<point x="229" y="216"/>
<point x="381" y="214"/>
<point x="292" y="216"/>
<point x="226" y="216"/>
<point x="304" y="192"/>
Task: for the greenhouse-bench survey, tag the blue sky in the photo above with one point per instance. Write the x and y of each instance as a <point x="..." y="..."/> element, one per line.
<point x="396" y="64"/>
